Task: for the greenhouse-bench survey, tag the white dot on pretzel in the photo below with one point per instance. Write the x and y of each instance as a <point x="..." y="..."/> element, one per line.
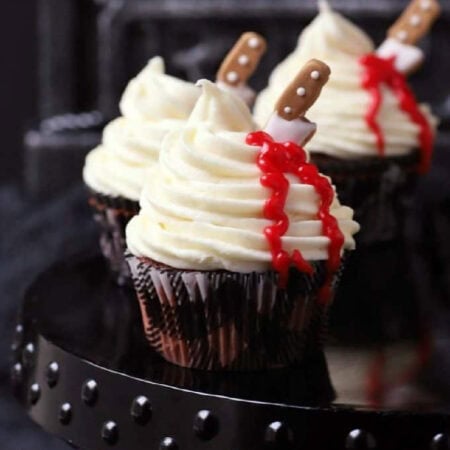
<point x="415" y="20"/>
<point x="301" y="91"/>
<point x="232" y="76"/>
<point x="243" y="60"/>
<point x="287" y="110"/>
<point x="315" y="74"/>
<point x="425" y="5"/>
<point x="402" y="35"/>
<point x="254" y="42"/>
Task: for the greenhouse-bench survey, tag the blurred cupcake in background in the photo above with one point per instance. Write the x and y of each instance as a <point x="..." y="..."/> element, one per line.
<point x="373" y="141"/>
<point x="230" y="270"/>
<point x="152" y="105"/>
<point x="364" y="146"/>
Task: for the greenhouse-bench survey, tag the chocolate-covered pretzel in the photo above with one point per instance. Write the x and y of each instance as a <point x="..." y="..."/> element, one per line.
<point x="303" y="91"/>
<point x="415" y="21"/>
<point x="242" y="60"/>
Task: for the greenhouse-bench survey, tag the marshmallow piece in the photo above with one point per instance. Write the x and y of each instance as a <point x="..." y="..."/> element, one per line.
<point x="407" y="57"/>
<point x="299" y="130"/>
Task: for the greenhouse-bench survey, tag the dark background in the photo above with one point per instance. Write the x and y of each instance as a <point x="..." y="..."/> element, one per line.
<point x="44" y="215"/>
<point x="18" y="81"/>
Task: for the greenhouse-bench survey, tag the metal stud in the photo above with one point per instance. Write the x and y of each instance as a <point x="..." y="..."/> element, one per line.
<point x="279" y="435"/>
<point x="65" y="413"/>
<point x="18" y="338"/>
<point x="206" y="425"/>
<point x="52" y="374"/>
<point x="28" y="355"/>
<point x="141" y="410"/>
<point x="34" y="393"/>
<point x="89" y="392"/>
<point x="359" y="439"/>
<point x="168" y="443"/>
<point x="17" y="374"/>
<point x="440" y="442"/>
<point x="110" y="432"/>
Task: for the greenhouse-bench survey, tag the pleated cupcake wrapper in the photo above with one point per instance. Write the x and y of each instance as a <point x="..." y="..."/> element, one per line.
<point x="380" y="192"/>
<point x="219" y="320"/>
<point x="338" y="168"/>
<point x="113" y="214"/>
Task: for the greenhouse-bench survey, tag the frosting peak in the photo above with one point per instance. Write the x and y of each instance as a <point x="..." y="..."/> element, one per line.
<point x="152" y="105"/>
<point x="331" y="32"/>
<point x="154" y="95"/>
<point x="156" y="65"/>
<point x="219" y="110"/>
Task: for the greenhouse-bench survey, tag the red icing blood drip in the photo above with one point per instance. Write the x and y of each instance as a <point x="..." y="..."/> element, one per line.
<point x="378" y="71"/>
<point x="275" y="160"/>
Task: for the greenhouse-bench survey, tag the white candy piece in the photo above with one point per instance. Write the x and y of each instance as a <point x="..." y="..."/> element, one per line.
<point x="297" y="130"/>
<point x="254" y="42"/>
<point x="287" y="110"/>
<point x="425" y="5"/>
<point x="301" y="91"/>
<point x="407" y="56"/>
<point x="315" y="75"/>
<point x="243" y="60"/>
<point x="232" y="76"/>
<point x="402" y="35"/>
<point x="415" y="20"/>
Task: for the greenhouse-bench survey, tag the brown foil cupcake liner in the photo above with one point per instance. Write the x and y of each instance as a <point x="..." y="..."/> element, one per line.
<point x="112" y="215"/>
<point x="219" y="320"/>
<point x="380" y="191"/>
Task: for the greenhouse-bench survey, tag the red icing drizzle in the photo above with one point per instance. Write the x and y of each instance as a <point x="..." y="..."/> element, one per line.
<point x="378" y="71"/>
<point x="276" y="159"/>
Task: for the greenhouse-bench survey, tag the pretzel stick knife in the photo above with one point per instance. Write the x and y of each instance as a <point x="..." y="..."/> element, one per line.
<point x="412" y="25"/>
<point x="239" y="65"/>
<point x="288" y="122"/>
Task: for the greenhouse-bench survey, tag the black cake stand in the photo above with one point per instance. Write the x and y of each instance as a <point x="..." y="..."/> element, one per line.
<point x="84" y="372"/>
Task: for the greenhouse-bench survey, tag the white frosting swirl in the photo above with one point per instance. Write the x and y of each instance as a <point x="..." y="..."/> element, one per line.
<point x="203" y="208"/>
<point x="152" y="105"/>
<point x="340" y="111"/>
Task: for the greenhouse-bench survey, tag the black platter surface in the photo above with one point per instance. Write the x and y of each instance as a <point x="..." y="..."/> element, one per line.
<point x="84" y="372"/>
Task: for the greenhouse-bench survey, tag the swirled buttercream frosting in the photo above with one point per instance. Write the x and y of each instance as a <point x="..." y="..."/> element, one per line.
<point x="341" y="111"/>
<point x="203" y="208"/>
<point x="152" y="105"/>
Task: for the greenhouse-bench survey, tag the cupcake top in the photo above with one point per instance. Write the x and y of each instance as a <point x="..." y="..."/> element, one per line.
<point x="342" y="112"/>
<point x="152" y="105"/>
<point x="203" y="209"/>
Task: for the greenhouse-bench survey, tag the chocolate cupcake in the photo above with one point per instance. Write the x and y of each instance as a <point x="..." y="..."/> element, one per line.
<point x="374" y="140"/>
<point x="373" y="137"/>
<point x="153" y="104"/>
<point x="230" y="273"/>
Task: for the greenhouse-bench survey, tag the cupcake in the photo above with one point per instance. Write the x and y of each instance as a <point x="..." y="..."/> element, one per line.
<point x="373" y="140"/>
<point x="230" y="273"/>
<point x="153" y="104"/>
<point x="369" y="149"/>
